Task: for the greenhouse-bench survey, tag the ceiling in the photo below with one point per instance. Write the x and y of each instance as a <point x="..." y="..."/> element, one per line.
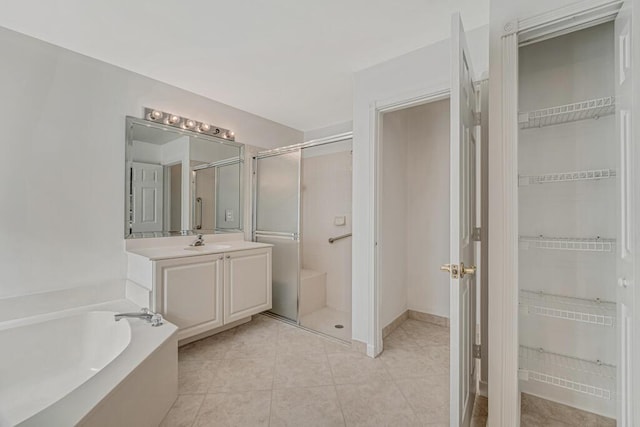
<point x="291" y="61"/>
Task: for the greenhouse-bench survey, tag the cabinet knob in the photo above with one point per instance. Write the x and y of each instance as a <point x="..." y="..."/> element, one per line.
<point x="221" y="257"/>
<point x="228" y="256"/>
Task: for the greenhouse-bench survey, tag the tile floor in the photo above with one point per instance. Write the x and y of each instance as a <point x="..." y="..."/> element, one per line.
<point x="324" y="321"/>
<point x="537" y="412"/>
<point x="269" y="373"/>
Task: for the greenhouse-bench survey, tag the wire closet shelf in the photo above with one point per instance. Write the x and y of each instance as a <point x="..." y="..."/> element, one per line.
<point x="593" y="311"/>
<point x="592" y="378"/>
<point x="589" y="109"/>
<point x="549" y="178"/>
<point x="595" y="244"/>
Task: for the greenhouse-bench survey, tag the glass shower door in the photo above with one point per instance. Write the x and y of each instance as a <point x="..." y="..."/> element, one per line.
<point x="277" y="221"/>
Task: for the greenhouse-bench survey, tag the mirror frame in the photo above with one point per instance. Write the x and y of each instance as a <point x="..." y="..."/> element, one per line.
<point x="130" y="122"/>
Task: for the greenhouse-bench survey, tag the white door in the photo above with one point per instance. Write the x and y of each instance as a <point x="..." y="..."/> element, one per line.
<point x="148" y="194"/>
<point x="627" y="213"/>
<point x="462" y="205"/>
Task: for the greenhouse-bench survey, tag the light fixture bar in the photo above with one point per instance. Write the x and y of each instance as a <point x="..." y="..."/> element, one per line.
<point x="185" y="123"/>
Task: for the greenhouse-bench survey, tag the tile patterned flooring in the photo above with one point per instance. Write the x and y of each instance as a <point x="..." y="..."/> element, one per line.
<point x="269" y="373"/>
<point x="537" y="412"/>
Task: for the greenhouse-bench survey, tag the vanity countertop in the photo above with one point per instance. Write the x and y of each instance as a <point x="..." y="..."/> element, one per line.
<point x="183" y="251"/>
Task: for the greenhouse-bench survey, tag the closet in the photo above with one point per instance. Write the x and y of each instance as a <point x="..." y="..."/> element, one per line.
<point x="568" y="218"/>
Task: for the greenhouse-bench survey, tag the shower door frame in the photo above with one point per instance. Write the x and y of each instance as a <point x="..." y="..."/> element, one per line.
<point x="298" y="236"/>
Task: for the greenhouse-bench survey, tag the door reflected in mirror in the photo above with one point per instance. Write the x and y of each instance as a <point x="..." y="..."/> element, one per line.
<point x="180" y="182"/>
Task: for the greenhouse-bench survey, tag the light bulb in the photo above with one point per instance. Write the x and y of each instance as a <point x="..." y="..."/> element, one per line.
<point x="189" y="124"/>
<point x="204" y="127"/>
<point x="174" y="119"/>
<point x="155" y="115"/>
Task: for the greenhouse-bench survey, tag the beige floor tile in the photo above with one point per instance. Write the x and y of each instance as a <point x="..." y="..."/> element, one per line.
<point x="243" y="375"/>
<point x="184" y="411"/>
<point x="412" y="363"/>
<point x="298" y="341"/>
<point x="532" y="420"/>
<point x="399" y="339"/>
<point x="331" y="347"/>
<point x="195" y="376"/>
<point x="428" y="396"/>
<point x="302" y="370"/>
<point x="426" y="334"/>
<point x="354" y="368"/>
<point x="481" y="406"/>
<point x="214" y="347"/>
<point x="557" y="413"/>
<point x="261" y="329"/>
<point x="235" y="409"/>
<point x="375" y="404"/>
<point x="309" y="407"/>
<point x="251" y="349"/>
<point x="479" y="421"/>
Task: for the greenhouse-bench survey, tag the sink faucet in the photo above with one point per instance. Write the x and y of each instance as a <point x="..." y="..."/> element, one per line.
<point x="154" y="318"/>
<point x="198" y="242"/>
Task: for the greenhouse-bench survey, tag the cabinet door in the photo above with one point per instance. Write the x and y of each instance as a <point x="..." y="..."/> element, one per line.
<point x="189" y="293"/>
<point x="247" y="283"/>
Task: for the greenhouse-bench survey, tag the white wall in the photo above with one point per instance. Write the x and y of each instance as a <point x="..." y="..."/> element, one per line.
<point x="328" y="131"/>
<point x="326" y="193"/>
<point x="417" y="73"/>
<point x="62" y="160"/>
<point x="392" y="241"/>
<point x="414" y="211"/>
<point x="428" y="207"/>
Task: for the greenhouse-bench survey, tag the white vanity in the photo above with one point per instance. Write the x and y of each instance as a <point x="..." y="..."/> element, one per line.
<point x="203" y="289"/>
<point x="182" y="181"/>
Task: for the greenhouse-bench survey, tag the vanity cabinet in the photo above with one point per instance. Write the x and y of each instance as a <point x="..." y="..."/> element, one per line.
<point x="190" y="292"/>
<point x="202" y="293"/>
<point x="247" y="283"/>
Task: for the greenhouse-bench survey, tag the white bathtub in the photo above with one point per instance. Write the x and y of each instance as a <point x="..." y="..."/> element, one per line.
<point x="78" y="367"/>
<point x="45" y="360"/>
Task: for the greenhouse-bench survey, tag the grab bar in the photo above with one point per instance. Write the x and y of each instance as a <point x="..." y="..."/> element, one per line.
<point x="344" y="236"/>
<point x="198" y="209"/>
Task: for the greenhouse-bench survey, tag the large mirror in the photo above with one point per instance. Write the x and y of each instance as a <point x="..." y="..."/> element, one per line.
<point x="180" y="182"/>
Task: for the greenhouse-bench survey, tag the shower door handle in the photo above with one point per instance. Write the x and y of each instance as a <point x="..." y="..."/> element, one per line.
<point x="198" y="211"/>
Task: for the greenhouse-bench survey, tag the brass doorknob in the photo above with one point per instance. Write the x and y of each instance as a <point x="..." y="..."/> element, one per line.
<point x="467" y="270"/>
<point x="452" y="269"/>
<point x="455" y="271"/>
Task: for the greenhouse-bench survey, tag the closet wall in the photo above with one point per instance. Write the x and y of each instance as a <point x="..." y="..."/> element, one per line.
<point x="414" y="211"/>
<point x="393" y="217"/>
<point x="560" y="273"/>
<point x="428" y="207"/>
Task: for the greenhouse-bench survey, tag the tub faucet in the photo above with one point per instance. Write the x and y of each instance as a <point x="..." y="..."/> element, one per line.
<point x="154" y="318"/>
<point x="198" y="242"/>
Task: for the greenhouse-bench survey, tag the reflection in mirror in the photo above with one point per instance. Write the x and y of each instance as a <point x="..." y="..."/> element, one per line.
<point x="180" y="182"/>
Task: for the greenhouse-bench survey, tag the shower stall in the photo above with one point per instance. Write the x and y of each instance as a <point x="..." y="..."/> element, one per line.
<point x="302" y="206"/>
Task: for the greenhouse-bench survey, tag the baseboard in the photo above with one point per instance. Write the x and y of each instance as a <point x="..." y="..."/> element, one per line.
<point x="395" y="323"/>
<point x="359" y="346"/>
<point x="430" y="318"/>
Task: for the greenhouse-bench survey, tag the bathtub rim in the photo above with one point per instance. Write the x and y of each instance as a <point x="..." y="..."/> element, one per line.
<point x="78" y="405"/>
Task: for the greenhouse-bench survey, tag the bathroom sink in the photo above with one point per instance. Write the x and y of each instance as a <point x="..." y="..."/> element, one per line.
<point x="207" y="248"/>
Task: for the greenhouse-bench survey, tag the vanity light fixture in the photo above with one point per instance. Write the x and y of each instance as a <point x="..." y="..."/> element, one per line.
<point x="188" y="124"/>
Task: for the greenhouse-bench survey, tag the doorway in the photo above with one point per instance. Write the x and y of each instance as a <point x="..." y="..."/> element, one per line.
<point x="302" y="206"/>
